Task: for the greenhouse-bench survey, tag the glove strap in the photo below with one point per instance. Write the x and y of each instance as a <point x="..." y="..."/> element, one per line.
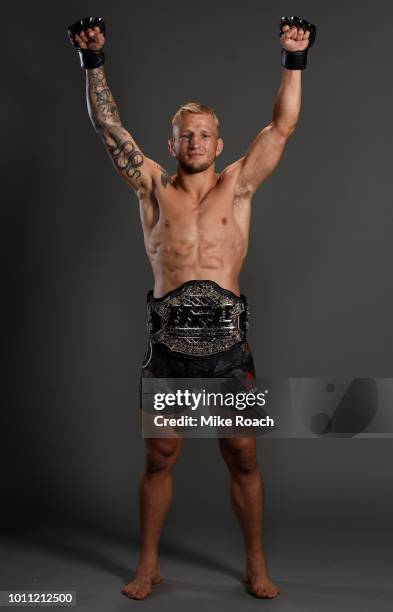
<point x="91" y="59"/>
<point x="294" y="60"/>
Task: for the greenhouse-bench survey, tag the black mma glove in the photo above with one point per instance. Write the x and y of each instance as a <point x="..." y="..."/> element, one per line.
<point x="88" y="57"/>
<point x="297" y="60"/>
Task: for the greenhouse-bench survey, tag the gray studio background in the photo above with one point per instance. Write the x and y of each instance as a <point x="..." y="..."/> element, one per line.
<point x="318" y="273"/>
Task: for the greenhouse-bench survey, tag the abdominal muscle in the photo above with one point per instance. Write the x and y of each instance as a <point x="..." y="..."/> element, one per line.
<point x="175" y="262"/>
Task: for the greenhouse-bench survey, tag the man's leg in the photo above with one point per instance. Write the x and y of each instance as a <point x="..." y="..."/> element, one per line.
<point x="156" y="492"/>
<point x="246" y="487"/>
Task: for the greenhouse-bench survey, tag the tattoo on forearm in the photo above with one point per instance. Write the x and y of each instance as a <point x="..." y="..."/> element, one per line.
<point x="101" y="98"/>
<point x="127" y="158"/>
<point x="104" y="112"/>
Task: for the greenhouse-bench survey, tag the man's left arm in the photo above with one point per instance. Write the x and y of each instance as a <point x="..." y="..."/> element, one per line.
<point x="297" y="35"/>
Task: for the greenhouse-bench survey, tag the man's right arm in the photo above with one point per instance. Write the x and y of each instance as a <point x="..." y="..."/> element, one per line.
<point x="126" y="156"/>
<point x="88" y="37"/>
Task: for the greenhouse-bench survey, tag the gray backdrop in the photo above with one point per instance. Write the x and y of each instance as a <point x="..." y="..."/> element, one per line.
<point x="317" y="274"/>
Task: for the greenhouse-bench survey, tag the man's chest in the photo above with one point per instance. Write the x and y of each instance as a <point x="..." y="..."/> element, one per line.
<point x="218" y="214"/>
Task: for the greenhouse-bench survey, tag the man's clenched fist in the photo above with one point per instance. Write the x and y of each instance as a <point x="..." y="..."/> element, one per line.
<point x="297" y="36"/>
<point x="88" y="37"/>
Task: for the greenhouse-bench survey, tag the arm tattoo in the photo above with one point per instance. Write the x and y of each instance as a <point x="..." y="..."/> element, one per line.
<point x="104" y="114"/>
<point x="127" y="158"/>
<point x="165" y="178"/>
<point x="101" y="101"/>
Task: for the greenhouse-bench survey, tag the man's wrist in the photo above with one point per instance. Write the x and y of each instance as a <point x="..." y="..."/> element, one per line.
<point x="294" y="60"/>
<point x="91" y="59"/>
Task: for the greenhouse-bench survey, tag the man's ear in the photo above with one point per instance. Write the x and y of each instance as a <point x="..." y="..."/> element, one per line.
<point x="220" y="146"/>
<point x="171" y="146"/>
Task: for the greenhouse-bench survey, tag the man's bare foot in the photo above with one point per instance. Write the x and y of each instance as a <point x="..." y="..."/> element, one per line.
<point x="142" y="583"/>
<point x="257" y="577"/>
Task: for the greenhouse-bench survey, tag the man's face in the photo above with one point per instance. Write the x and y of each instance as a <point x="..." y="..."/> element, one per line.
<point x="195" y="142"/>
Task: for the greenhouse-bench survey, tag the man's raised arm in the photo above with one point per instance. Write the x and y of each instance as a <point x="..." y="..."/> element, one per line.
<point x="88" y="37"/>
<point x="297" y="35"/>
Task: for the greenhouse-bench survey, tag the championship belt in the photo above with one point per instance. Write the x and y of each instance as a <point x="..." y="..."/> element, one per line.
<point x="200" y="318"/>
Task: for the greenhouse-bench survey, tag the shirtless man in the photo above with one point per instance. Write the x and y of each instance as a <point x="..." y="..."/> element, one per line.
<point x="196" y="227"/>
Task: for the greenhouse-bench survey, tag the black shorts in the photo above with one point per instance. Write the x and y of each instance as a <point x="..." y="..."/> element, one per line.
<point x="236" y="363"/>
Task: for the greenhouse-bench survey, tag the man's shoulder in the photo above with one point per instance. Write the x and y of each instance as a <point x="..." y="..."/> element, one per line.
<point x="232" y="171"/>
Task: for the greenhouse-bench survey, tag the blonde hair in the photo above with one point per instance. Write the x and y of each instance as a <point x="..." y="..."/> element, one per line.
<point x="195" y="107"/>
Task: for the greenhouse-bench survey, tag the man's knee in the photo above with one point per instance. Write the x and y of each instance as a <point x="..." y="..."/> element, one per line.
<point x="161" y="454"/>
<point x="240" y="455"/>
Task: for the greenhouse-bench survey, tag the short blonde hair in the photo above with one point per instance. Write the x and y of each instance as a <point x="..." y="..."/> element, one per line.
<point x="195" y="107"/>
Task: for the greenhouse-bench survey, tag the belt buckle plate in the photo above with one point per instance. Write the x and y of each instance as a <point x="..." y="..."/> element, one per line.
<point x="199" y="321"/>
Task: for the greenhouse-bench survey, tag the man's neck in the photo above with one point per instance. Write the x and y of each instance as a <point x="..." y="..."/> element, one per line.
<point x="196" y="185"/>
